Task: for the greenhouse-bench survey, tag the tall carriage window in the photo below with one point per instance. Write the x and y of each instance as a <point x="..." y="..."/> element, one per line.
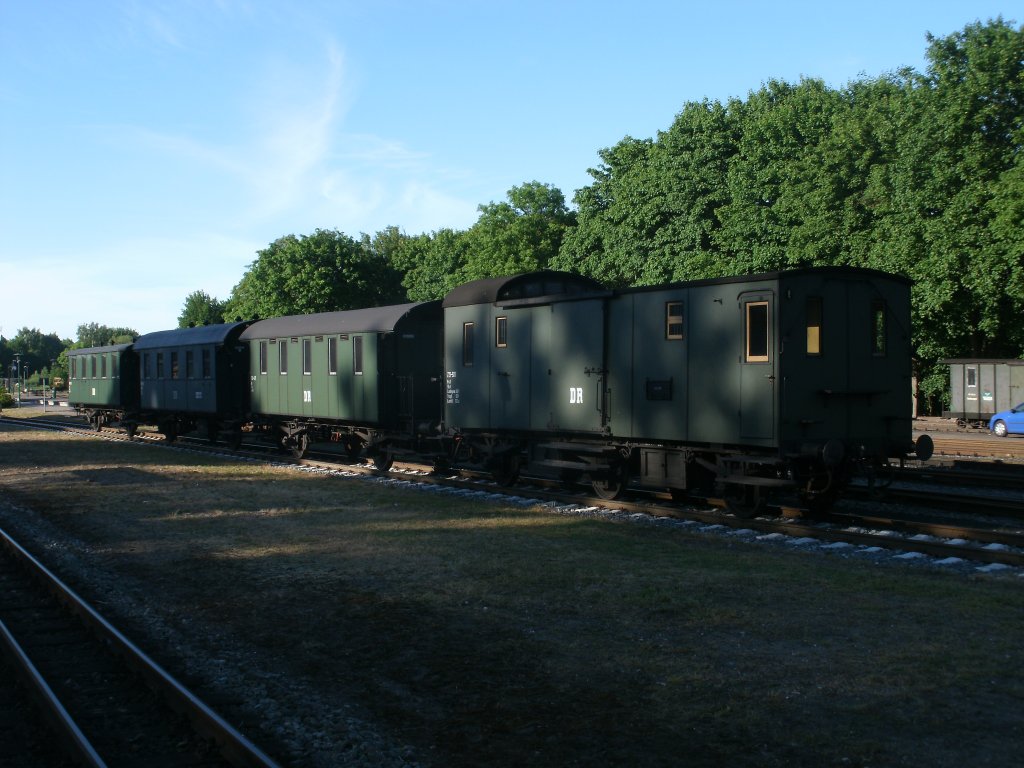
<point x="263" y="358"/>
<point x="467" y="344"/>
<point x="282" y="350"/>
<point x="103" y="366"/>
<point x="174" y="365"/>
<point x="878" y="329"/>
<point x="92" y="366"/>
<point x="332" y="356"/>
<point x="674" y="320"/>
<point x="113" y="366"/>
<point x="190" y="368"/>
<point x="357" y="355"/>
<point x="972" y="376"/>
<point x="814" y="312"/>
<point x="147" y="365"/>
<point x="159" y="365"/>
<point x="501" y="332"/>
<point x="207" y="364"/>
<point x="307" y="357"/>
<point x="757" y="332"/>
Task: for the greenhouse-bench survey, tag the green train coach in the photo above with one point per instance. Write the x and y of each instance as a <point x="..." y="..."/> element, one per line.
<point x="103" y="383"/>
<point x="366" y="378"/>
<point x="744" y="385"/>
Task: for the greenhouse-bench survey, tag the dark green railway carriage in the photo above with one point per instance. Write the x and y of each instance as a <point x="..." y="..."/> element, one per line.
<point x="103" y="383"/>
<point x="190" y="376"/>
<point x="750" y="382"/>
<point x="366" y="378"/>
<point x="794" y="373"/>
<point x="523" y="355"/>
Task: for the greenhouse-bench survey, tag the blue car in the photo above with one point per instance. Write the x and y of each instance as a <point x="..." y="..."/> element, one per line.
<point x="1009" y="422"/>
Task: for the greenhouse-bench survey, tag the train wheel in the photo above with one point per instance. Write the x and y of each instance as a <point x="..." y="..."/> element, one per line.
<point x="745" y="500"/>
<point x="613" y="486"/>
<point x="352" y="450"/>
<point x="384" y="460"/>
<point x="97" y="421"/>
<point x="506" y="470"/>
<point x="131" y="430"/>
<point x="300" y="445"/>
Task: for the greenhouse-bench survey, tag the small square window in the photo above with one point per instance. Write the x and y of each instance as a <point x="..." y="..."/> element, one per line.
<point x="467" y="344"/>
<point x="757" y="332"/>
<point x="674" y="320"/>
<point x="357" y="355"/>
<point x="814" y="313"/>
<point x="501" y="332"/>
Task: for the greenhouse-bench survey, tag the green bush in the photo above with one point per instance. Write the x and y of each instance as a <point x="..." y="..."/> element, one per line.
<point x="6" y="399"/>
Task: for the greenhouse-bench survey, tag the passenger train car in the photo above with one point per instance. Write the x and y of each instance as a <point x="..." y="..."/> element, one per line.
<point x="786" y="381"/>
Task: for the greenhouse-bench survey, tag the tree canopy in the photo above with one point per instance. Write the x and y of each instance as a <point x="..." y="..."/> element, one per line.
<point x="322" y="272"/>
<point x="201" y="309"/>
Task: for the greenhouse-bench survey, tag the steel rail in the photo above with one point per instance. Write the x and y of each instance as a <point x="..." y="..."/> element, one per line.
<point x="235" y="747"/>
<point x="53" y="709"/>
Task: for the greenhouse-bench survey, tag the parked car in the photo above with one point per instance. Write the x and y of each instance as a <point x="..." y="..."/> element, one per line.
<point x="1009" y="422"/>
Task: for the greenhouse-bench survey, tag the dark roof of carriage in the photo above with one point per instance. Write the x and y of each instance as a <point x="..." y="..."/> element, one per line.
<point x="99" y="350"/>
<point x="531" y="285"/>
<point x="183" y="337"/>
<point x="369" y="320"/>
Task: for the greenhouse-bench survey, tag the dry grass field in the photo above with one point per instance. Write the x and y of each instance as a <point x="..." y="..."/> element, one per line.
<point x="359" y="624"/>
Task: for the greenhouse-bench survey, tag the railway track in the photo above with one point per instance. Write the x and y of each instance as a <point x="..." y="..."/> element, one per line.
<point x="106" y="709"/>
<point x="940" y="539"/>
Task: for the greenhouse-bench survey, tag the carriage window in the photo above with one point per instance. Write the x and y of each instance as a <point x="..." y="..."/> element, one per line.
<point x="332" y="356"/>
<point x="147" y="365"/>
<point x="174" y="365"/>
<point x="103" y="366"/>
<point x="357" y="355"/>
<point x="307" y="357"/>
<point x="878" y="328"/>
<point x="814" y="325"/>
<point x="282" y="348"/>
<point x="113" y="366"/>
<point x="207" y="369"/>
<point x="501" y="332"/>
<point x="190" y="367"/>
<point x="467" y="344"/>
<point x="159" y="365"/>
<point x="972" y="376"/>
<point x="673" y="320"/>
<point x="263" y="357"/>
<point x="757" y="332"/>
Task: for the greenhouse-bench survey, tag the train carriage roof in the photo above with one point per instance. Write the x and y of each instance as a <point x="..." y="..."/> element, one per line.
<point x="531" y="285"/>
<point x="100" y="350"/>
<point x="182" y="337"/>
<point x="369" y="320"/>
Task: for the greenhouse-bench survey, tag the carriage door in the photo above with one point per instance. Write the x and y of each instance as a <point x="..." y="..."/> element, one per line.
<point x="971" y="407"/>
<point x="757" y="367"/>
<point x="568" y="379"/>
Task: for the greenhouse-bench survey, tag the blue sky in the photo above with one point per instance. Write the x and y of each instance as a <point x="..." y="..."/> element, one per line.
<point x="150" y="149"/>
